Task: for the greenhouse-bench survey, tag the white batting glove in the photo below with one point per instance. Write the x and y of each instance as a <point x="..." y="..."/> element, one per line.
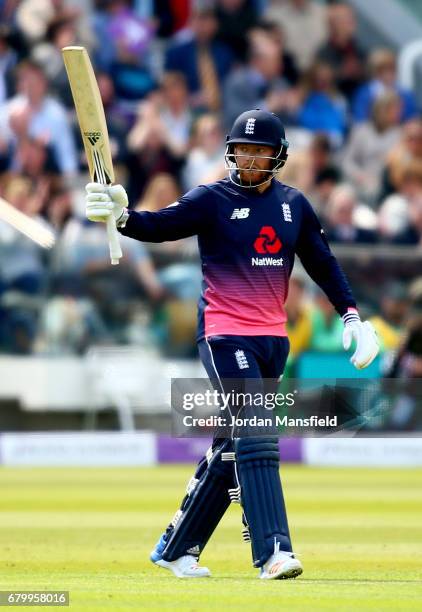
<point x="104" y="200"/>
<point x="364" y="334"/>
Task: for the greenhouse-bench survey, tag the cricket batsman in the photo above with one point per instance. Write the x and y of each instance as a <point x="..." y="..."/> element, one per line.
<point x="249" y="227"/>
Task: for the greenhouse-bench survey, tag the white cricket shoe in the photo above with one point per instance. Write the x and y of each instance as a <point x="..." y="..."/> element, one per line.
<point x="185" y="567"/>
<point x="281" y="565"/>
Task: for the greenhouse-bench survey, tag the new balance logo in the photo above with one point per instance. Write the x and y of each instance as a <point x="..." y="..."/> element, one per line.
<point x="240" y="213"/>
<point x="287" y="213"/>
<point x="194" y="550"/>
<point x="250" y="126"/>
<point x="93" y="137"/>
<point x="267" y="241"/>
<point x="242" y="362"/>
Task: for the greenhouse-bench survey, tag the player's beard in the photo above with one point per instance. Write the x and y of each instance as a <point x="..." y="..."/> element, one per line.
<point x="253" y="177"/>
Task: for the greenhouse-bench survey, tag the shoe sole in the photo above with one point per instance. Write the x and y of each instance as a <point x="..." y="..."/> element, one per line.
<point x="293" y="572"/>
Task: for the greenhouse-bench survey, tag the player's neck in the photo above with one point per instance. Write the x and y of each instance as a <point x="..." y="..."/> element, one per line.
<point x="264" y="186"/>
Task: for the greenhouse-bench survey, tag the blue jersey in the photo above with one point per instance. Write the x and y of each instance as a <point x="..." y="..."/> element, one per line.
<point x="247" y="244"/>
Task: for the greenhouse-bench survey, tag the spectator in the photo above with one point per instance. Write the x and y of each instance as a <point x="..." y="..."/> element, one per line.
<point x="161" y="191"/>
<point x="408" y="358"/>
<point x="34" y="16"/>
<point x="394" y="221"/>
<point x="69" y="325"/>
<point x="410" y="183"/>
<point x="394" y="307"/>
<point x="203" y="60"/>
<point x="189" y="87"/>
<point x="130" y="34"/>
<point x="369" y="143"/>
<point x="103" y="56"/>
<point x="322" y="109"/>
<point x="235" y="19"/>
<point x="171" y="15"/>
<point x="127" y="54"/>
<point x="33" y="161"/>
<point x="149" y="144"/>
<point x="180" y="279"/>
<point x="305" y="25"/>
<point x="119" y="118"/>
<point x="204" y="163"/>
<point x="84" y="253"/>
<point x="306" y="166"/>
<point x="325" y="183"/>
<point x="342" y="51"/>
<point x="59" y="208"/>
<point x="393" y="217"/>
<point x="261" y="79"/>
<point x="415" y="294"/>
<point x="27" y="267"/>
<point x="342" y="215"/>
<point x="22" y="275"/>
<point x="398" y="157"/>
<point x="407" y="365"/>
<point x="383" y="77"/>
<point x="299" y="318"/>
<point x="273" y="29"/>
<point x="327" y="326"/>
<point x="297" y="173"/>
<point x="412" y="235"/>
<point x="175" y="113"/>
<point x="45" y="116"/>
<point x="321" y="156"/>
<point x="47" y="53"/>
<point x="8" y="59"/>
<point x="8" y="10"/>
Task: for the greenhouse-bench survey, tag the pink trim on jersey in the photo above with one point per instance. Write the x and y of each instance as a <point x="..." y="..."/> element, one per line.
<point x="251" y="305"/>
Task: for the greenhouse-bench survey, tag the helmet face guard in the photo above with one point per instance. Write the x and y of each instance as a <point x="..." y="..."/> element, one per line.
<point x="256" y="127"/>
<point x="230" y="161"/>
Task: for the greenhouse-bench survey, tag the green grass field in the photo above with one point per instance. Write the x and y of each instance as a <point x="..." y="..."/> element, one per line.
<point x="90" y="531"/>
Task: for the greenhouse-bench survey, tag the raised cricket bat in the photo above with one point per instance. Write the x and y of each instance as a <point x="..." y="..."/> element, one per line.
<point x="28" y="226"/>
<point x="93" y="126"/>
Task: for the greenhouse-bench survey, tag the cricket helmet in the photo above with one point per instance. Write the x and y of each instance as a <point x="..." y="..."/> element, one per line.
<point x="256" y="127"/>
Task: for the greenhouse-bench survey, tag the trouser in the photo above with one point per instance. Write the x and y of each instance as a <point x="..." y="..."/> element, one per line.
<point x="242" y="469"/>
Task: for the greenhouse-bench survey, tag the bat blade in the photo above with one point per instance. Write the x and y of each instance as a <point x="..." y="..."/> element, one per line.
<point x="90" y="113"/>
<point x="93" y="126"/>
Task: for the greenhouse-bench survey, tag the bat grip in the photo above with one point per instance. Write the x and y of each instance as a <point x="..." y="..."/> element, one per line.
<point x="113" y="241"/>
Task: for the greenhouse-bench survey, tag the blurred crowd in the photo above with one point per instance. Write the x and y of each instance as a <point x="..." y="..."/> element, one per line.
<point x="173" y="75"/>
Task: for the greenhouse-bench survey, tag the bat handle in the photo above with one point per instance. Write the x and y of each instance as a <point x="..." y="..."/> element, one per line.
<point x="113" y="241"/>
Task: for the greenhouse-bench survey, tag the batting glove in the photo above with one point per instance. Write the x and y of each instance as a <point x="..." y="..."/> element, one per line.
<point x="104" y="200"/>
<point x="363" y="333"/>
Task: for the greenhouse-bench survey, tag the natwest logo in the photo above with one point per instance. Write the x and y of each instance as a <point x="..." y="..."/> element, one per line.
<point x="267" y="241"/>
